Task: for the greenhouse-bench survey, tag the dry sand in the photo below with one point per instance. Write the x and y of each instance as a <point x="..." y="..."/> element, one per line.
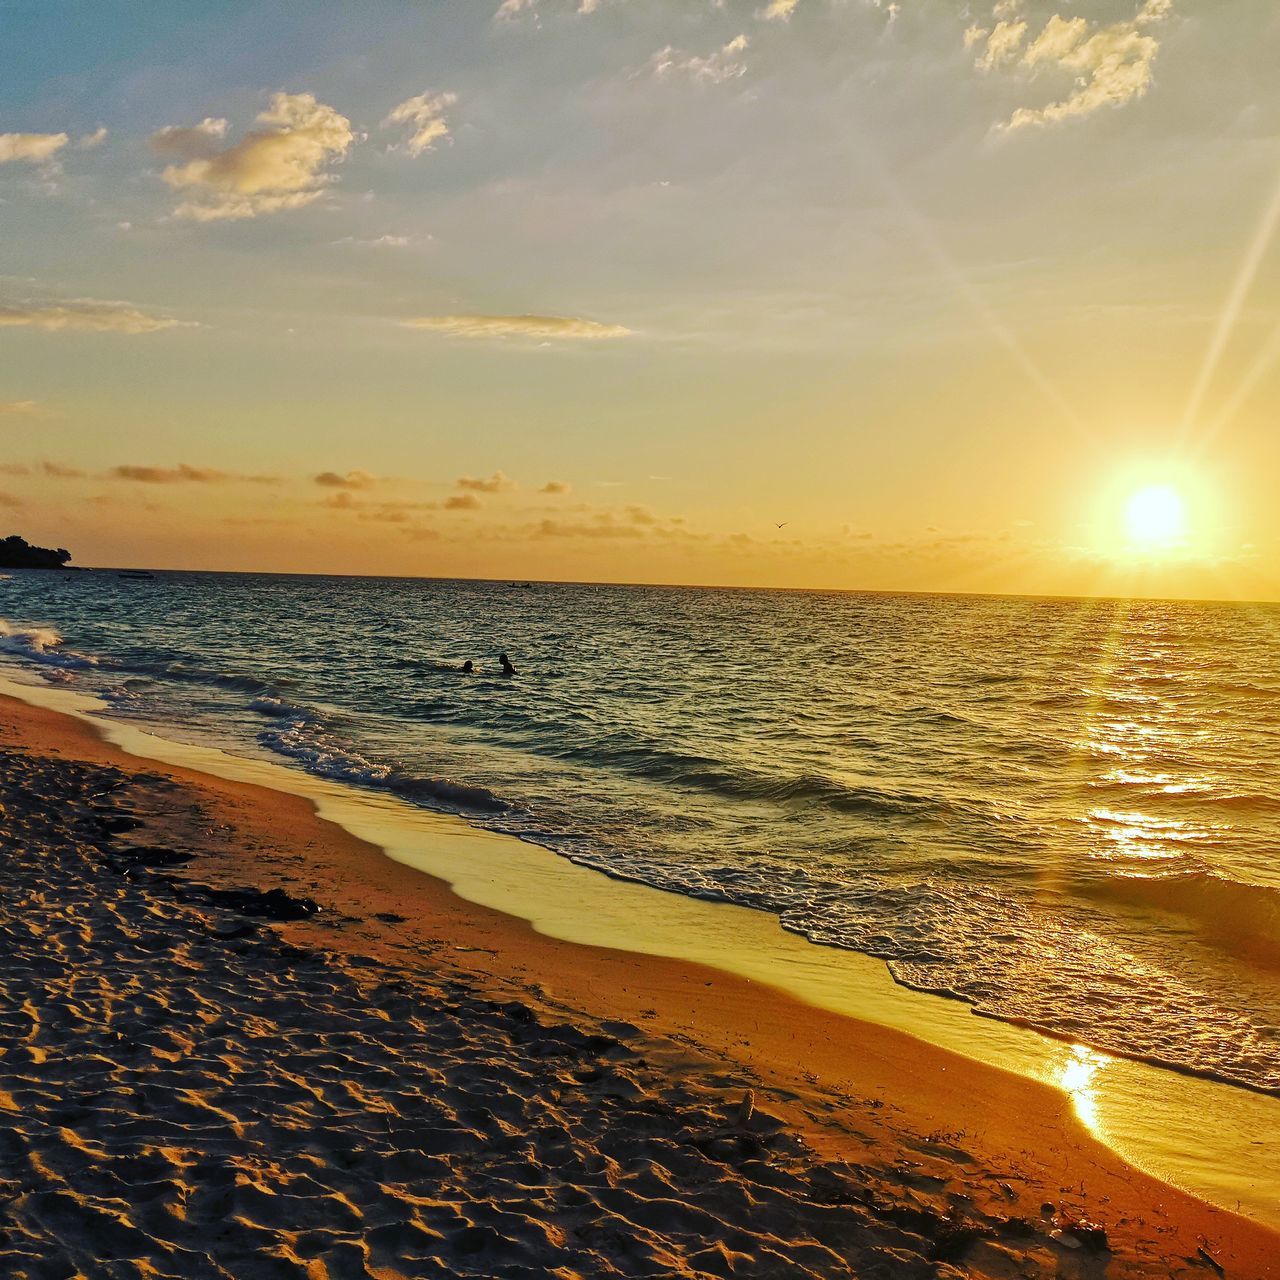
<point x="404" y="1084"/>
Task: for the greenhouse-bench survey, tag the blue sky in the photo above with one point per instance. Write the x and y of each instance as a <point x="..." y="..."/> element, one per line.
<point x="933" y="283"/>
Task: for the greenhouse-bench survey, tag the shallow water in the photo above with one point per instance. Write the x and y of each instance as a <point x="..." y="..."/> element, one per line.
<point x="1065" y="813"/>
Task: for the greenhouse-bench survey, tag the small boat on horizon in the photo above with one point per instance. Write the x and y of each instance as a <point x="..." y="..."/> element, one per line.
<point x="135" y="574"/>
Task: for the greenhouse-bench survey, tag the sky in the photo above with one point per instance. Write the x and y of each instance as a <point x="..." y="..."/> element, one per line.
<point x="853" y="294"/>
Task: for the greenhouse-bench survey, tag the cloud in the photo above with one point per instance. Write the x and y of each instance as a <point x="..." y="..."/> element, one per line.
<point x="1109" y="65"/>
<point x="183" y="474"/>
<point x="34" y="148"/>
<point x="281" y="166"/>
<point x="191" y="142"/>
<point x="60" y="471"/>
<point x="556" y="486"/>
<point x="425" y="115"/>
<point x="723" y="64"/>
<point x="352" y="480"/>
<point x="94" y="139"/>
<point x="603" y="528"/>
<point x="15" y="407"/>
<point x="499" y="482"/>
<point x="8" y="500"/>
<point x="641" y="515"/>
<point x="83" y="314"/>
<point x="462" y="502"/>
<point x="1003" y="45"/>
<point x="778" y="10"/>
<point x="376" y="242"/>
<point x="550" y="328"/>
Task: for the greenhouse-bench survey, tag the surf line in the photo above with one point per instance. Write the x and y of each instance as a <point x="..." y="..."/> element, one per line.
<point x="1194" y="1133"/>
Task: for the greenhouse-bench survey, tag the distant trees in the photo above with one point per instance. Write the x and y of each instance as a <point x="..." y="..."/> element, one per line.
<point x="18" y="553"/>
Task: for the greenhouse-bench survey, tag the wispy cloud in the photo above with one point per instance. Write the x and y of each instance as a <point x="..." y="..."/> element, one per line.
<point x="724" y="63"/>
<point x="425" y="117"/>
<point x="556" y="487"/>
<point x="18" y="407"/>
<point x="351" y="480"/>
<point x="375" y="242"/>
<point x="34" y="148"/>
<point x="184" y="474"/>
<point x="84" y="314"/>
<point x="601" y="528"/>
<point x="283" y="165"/>
<point x="1108" y="64"/>
<point x="551" y="328"/>
<point x="778" y="10"/>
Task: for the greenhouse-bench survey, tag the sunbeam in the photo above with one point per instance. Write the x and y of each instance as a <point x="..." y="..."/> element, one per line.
<point x="1230" y="315"/>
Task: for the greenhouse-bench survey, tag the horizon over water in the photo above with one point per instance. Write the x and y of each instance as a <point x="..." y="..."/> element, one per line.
<point x="1062" y="811"/>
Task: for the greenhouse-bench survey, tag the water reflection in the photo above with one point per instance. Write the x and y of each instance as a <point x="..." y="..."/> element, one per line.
<point x="1078" y="1079"/>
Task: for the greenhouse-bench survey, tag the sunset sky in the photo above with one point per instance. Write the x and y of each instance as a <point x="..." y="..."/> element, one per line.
<point x="610" y="289"/>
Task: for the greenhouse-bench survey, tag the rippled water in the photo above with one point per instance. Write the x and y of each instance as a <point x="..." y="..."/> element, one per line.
<point x="1064" y="812"/>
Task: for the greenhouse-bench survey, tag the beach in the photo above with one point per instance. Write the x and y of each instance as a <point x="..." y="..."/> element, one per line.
<point x="242" y="1042"/>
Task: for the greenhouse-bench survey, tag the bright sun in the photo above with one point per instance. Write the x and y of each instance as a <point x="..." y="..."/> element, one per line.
<point x="1155" y="517"/>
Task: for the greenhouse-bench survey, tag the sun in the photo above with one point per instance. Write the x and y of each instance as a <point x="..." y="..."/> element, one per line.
<point x="1155" y="518"/>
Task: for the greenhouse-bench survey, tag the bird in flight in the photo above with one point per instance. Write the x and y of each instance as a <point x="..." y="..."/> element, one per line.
<point x="783" y="525"/>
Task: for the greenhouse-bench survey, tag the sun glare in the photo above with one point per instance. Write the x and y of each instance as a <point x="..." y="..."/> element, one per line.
<point x="1155" y="517"/>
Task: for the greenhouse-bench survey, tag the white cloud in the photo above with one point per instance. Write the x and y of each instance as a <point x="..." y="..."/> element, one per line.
<point x="425" y="115"/>
<point x="281" y="166"/>
<point x="723" y="64"/>
<point x="1003" y="44"/>
<point x="83" y="314"/>
<point x="542" y="327"/>
<point x="778" y="10"/>
<point x="1109" y="65"/>
<point x="94" y="139"/>
<point x="34" y="148"/>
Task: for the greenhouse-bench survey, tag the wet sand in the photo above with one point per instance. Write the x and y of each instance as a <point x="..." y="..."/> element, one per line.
<point x="406" y="1084"/>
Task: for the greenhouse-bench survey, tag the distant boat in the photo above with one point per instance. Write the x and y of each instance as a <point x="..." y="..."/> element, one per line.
<point x="521" y="586"/>
<point x="135" y="574"/>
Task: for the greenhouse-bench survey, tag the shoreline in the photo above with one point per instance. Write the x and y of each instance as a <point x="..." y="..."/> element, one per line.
<point x="1148" y="1115"/>
<point x="850" y="1088"/>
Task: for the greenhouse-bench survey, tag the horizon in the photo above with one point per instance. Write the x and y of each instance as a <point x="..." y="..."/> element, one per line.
<point x="670" y="586"/>
<point x="913" y="298"/>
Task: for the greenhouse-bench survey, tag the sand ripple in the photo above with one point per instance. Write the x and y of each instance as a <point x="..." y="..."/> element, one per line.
<point x="185" y="1095"/>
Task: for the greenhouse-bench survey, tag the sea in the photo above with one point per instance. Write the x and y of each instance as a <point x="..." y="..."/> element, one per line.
<point x="1065" y="813"/>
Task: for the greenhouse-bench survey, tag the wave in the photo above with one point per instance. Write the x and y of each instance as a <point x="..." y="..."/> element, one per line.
<point x="305" y="741"/>
<point x="42" y="645"/>
<point x="279" y="709"/>
<point x="1240" y="917"/>
<point x="705" y="773"/>
<point x="1156" y="795"/>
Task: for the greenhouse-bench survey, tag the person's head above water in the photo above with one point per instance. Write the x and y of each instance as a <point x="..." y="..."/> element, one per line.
<point x="468" y="666"/>
<point x="507" y="668"/>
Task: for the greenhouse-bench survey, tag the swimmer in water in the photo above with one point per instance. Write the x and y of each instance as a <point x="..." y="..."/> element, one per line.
<point x="507" y="668"/>
<point x="467" y="667"/>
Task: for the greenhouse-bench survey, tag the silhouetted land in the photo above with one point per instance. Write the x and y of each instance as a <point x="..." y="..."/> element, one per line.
<point x="18" y="553"/>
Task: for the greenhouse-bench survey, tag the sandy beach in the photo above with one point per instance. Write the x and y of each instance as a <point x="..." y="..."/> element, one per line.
<point x="239" y="1042"/>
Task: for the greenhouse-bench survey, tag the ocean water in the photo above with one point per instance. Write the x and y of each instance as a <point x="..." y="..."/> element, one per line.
<point x="1066" y="813"/>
